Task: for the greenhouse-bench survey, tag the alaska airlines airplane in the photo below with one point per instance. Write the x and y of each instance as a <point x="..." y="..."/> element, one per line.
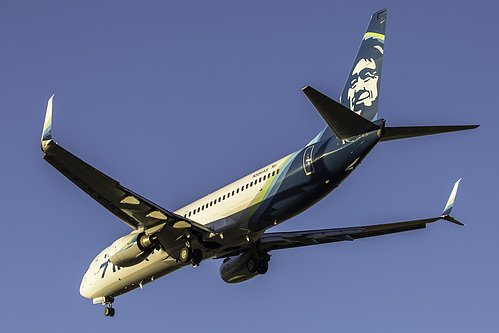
<point x="231" y="223"/>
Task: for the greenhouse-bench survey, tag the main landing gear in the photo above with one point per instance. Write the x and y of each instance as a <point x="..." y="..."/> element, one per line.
<point x="194" y="256"/>
<point x="258" y="263"/>
<point x="109" y="311"/>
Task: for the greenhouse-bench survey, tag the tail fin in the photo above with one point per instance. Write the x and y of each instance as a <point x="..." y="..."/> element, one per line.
<point x="361" y="91"/>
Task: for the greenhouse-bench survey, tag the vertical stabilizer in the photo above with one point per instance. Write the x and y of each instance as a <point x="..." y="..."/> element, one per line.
<point x="361" y="91"/>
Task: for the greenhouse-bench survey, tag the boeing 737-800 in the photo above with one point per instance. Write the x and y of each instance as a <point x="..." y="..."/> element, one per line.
<point x="232" y="222"/>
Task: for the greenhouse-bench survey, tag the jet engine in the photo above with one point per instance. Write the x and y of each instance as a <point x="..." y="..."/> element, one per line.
<point x="131" y="249"/>
<point x="244" y="267"/>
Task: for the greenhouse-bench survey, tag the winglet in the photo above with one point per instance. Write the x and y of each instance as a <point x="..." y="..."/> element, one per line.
<point x="47" y="125"/>
<point x="450" y="204"/>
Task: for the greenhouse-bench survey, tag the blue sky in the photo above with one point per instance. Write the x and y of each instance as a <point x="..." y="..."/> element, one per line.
<point x="177" y="99"/>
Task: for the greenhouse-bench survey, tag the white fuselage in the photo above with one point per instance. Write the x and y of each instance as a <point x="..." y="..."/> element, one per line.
<point x="221" y="207"/>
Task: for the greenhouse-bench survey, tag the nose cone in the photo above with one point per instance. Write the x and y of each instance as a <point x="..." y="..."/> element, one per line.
<point x="85" y="287"/>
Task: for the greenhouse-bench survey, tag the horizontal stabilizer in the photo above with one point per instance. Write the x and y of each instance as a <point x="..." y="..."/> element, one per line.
<point x="344" y="123"/>
<point x="397" y="133"/>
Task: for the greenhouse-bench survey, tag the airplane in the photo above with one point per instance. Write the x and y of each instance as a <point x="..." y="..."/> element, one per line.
<point x="232" y="222"/>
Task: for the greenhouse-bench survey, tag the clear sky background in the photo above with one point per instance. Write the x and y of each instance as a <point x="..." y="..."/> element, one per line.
<point x="177" y="99"/>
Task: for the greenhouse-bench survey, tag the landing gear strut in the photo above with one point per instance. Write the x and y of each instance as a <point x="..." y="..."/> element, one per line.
<point x="109" y="311"/>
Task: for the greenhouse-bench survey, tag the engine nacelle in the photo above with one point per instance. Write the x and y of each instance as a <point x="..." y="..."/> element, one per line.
<point x="131" y="249"/>
<point x="240" y="268"/>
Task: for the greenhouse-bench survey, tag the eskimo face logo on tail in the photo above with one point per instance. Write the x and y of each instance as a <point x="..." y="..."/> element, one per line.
<point x="363" y="89"/>
<point x="363" y="83"/>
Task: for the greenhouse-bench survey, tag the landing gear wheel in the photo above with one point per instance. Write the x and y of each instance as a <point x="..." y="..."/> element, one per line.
<point x="251" y="265"/>
<point x="109" y="312"/>
<point x="263" y="267"/>
<point x="197" y="257"/>
<point x="185" y="254"/>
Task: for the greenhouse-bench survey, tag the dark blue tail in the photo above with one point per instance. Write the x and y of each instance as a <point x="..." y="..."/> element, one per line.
<point x="361" y="91"/>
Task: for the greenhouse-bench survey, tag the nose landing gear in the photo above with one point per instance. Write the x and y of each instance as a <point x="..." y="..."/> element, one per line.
<point x="109" y="311"/>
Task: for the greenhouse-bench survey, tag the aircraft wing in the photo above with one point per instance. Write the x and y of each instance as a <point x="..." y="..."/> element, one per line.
<point x="286" y="240"/>
<point x="131" y="208"/>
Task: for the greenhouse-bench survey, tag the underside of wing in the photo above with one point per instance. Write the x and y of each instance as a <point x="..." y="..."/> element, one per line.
<point x="130" y="207"/>
<point x="133" y="209"/>
<point x="286" y="240"/>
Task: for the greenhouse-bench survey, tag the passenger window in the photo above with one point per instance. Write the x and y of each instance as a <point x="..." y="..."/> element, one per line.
<point x="232" y="192"/>
<point x="228" y="195"/>
<point x="273" y="173"/>
<point x="237" y="191"/>
<point x="277" y="171"/>
<point x="224" y="197"/>
<point x="246" y="186"/>
<point x="265" y="176"/>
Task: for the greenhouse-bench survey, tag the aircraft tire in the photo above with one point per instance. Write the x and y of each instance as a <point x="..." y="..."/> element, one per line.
<point x="263" y="267"/>
<point x="109" y="312"/>
<point x="251" y="265"/>
<point x="197" y="256"/>
<point x="185" y="254"/>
